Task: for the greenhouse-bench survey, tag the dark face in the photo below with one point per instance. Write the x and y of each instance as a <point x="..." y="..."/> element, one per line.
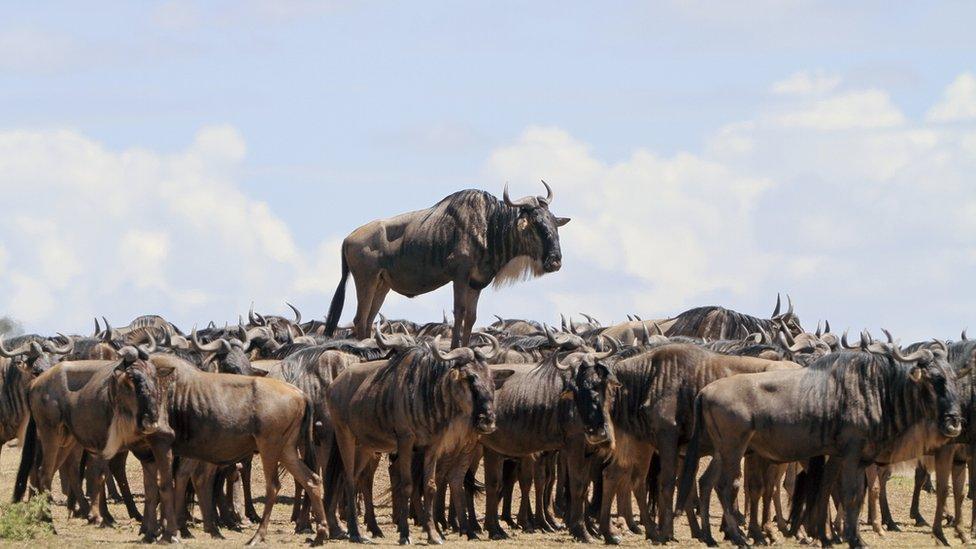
<point x="36" y="365"/>
<point x="477" y="377"/>
<point x="138" y="395"/>
<point x="942" y="380"/>
<point x="231" y="359"/>
<point x="546" y="228"/>
<point x="593" y="390"/>
<point x="790" y="323"/>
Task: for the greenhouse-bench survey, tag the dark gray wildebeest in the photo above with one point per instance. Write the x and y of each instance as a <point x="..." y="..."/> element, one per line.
<point x="420" y="400"/>
<point x="102" y="407"/>
<point x="470" y="239"/>
<point x="653" y="413"/>
<point x="713" y="323"/>
<point x="18" y="368"/>
<point x="561" y="404"/>
<point x="857" y="408"/>
<point x="514" y="326"/>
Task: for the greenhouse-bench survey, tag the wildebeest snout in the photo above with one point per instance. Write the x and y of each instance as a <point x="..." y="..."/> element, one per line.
<point x="485" y="424"/>
<point x="597" y="435"/>
<point x="952" y="426"/>
<point x="553" y="263"/>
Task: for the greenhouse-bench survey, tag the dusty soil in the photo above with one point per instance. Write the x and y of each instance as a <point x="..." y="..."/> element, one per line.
<point x="73" y="532"/>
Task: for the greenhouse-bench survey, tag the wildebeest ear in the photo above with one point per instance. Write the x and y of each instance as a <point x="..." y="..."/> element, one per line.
<point x="165" y="370"/>
<point x="560" y="221"/>
<point x="523" y="223"/>
<point x="499" y="376"/>
<point x="455" y="374"/>
<point x="567" y="394"/>
<point x="917" y="374"/>
<point x="258" y="372"/>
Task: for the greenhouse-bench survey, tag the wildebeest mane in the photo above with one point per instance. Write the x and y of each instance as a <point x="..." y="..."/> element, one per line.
<point x="713" y="322"/>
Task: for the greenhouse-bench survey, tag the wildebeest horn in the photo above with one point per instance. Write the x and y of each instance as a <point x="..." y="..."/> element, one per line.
<point x="638" y="318"/>
<point x="787" y="337"/>
<point x="921" y="355"/>
<point x="943" y="348"/>
<point x="789" y="300"/>
<point x="500" y="320"/>
<point x="98" y="329"/>
<point x="460" y="352"/>
<point x="866" y="339"/>
<point x="818" y="333"/>
<point x="211" y="347"/>
<point x="522" y="202"/>
<point x="244" y="336"/>
<point x="51" y="348"/>
<point x="630" y="318"/>
<point x="888" y="335"/>
<point x="779" y="304"/>
<point x="15" y="353"/>
<point x="496" y="347"/>
<point x="645" y="335"/>
<point x="298" y="314"/>
<point x="444" y="314"/>
<point x="562" y="319"/>
<point x="614" y="349"/>
<point x="965" y="337"/>
<point x="572" y="326"/>
<point x="657" y="329"/>
<point x="548" y="332"/>
<point x="110" y="333"/>
<point x="396" y="343"/>
<point x="549" y="194"/>
<point x="843" y="342"/>
<point x="149" y="348"/>
<point x="826" y="326"/>
<point x="255" y="318"/>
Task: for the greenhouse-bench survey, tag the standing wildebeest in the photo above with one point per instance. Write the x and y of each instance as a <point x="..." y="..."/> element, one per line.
<point x="18" y="368"/>
<point x="719" y="323"/>
<point x="558" y="405"/>
<point x="856" y="407"/>
<point x="653" y="412"/>
<point x="420" y="400"/>
<point x="469" y="238"/>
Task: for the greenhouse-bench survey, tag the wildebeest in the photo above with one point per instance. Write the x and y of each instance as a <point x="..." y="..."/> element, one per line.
<point x="18" y="368"/>
<point x="856" y="407"/>
<point x="653" y="412"/>
<point x="421" y="399"/>
<point x="720" y="323"/>
<point x="562" y="404"/>
<point x="469" y="238"/>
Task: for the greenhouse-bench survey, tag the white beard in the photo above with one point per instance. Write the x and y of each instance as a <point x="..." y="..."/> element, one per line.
<point x="519" y="269"/>
<point x="121" y="432"/>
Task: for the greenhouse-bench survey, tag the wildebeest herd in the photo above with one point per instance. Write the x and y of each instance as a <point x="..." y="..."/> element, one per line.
<point x="586" y="419"/>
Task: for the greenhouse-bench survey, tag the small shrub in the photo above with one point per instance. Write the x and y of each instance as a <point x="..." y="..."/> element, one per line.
<point x="27" y="520"/>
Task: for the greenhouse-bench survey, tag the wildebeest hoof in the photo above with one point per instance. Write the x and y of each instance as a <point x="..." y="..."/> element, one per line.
<point x="435" y="540"/>
<point x="376" y="532"/>
<point x="498" y="535"/>
<point x="940" y="537"/>
<point x="215" y="534"/>
<point x="186" y="533"/>
<point x="636" y="530"/>
<point x="921" y="522"/>
<point x="405" y="540"/>
<point x="611" y="540"/>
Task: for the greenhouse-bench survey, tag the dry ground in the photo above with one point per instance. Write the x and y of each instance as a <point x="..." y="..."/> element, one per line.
<point x="77" y="533"/>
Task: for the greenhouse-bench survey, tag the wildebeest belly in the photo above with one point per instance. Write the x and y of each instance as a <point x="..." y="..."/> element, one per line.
<point x="223" y="449"/>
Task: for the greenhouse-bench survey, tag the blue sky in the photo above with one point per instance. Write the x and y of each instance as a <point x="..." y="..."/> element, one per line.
<point x="184" y="159"/>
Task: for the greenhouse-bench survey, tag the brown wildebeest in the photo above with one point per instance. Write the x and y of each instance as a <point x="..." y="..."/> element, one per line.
<point x="419" y="400"/>
<point x="561" y="404"/>
<point x="101" y="406"/>
<point x="719" y="323"/>
<point x="653" y="412"/>
<point x="469" y="238"/>
<point x="857" y="407"/>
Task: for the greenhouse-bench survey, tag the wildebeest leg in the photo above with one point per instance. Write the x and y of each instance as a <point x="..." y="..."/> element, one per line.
<point x="959" y="495"/>
<point x="97" y="475"/>
<point x="729" y="475"/>
<point x="873" y="478"/>
<point x="493" y="487"/>
<point x="754" y="471"/>
<point x="475" y="461"/>
<point x="163" y="456"/>
<point x="548" y="490"/>
<point x="943" y="470"/>
<point x="71" y="471"/>
<point x="526" y="468"/>
<point x="574" y="456"/>
<point x="117" y="467"/>
<point x="182" y="478"/>
<point x="615" y="477"/>
<point x="402" y="488"/>
<point x="429" y="486"/>
<point x="367" y="288"/>
<point x="250" y="513"/>
<point x="852" y="494"/>
<point x="366" y="487"/>
<point x="667" y="449"/>
<point x="889" y="522"/>
<point x="150" y="521"/>
<point x="456" y="481"/>
<point x="772" y="484"/>
<point x="921" y="475"/>
<point x="539" y="483"/>
<point x="509" y="476"/>
<point x="706" y="484"/>
<point x="205" y="481"/>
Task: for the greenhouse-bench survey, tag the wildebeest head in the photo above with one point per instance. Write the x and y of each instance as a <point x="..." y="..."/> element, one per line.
<point x="34" y="358"/>
<point x="937" y="382"/>
<point x="136" y="391"/>
<point x="470" y="383"/>
<point x="539" y="228"/>
<point x="592" y="389"/>
<point x="230" y="354"/>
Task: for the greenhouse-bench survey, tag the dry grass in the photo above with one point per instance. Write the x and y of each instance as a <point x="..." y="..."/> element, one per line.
<point x="77" y="533"/>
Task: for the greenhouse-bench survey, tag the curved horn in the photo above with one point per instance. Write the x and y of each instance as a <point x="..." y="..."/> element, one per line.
<point x="614" y="349"/>
<point x="921" y="355"/>
<point x="496" y="347"/>
<point x="211" y="347"/>
<point x="638" y="318"/>
<point x="843" y="342"/>
<point x="51" y="348"/>
<point x="549" y="194"/>
<point x="500" y="320"/>
<point x="819" y="331"/>
<point x="562" y="319"/>
<point x="98" y="329"/>
<point x="826" y="326"/>
<point x="552" y="340"/>
<point x="250" y="315"/>
<point x="522" y="202"/>
<point x="244" y="336"/>
<point x="891" y="339"/>
<point x="148" y="348"/>
<point x="645" y="335"/>
<point x="396" y="343"/>
<point x="789" y="309"/>
<point x="298" y="314"/>
<point x="965" y="337"/>
<point x="630" y="318"/>
<point x="15" y="353"/>
<point x="866" y="340"/>
<point x="779" y="305"/>
<point x="110" y="333"/>
<point x="657" y="329"/>
<point x="460" y="352"/>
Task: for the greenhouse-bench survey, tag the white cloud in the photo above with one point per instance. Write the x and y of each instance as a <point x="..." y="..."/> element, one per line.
<point x="958" y="102"/>
<point x="807" y="83"/>
<point x="123" y="233"/>
<point x="853" y="110"/>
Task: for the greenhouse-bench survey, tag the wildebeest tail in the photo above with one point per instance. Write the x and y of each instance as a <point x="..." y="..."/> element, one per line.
<point x="308" y="434"/>
<point x="471" y="484"/>
<point x="30" y="455"/>
<point x="335" y="309"/>
<point x="333" y="473"/>
<point x="692" y="456"/>
<point x="805" y="493"/>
